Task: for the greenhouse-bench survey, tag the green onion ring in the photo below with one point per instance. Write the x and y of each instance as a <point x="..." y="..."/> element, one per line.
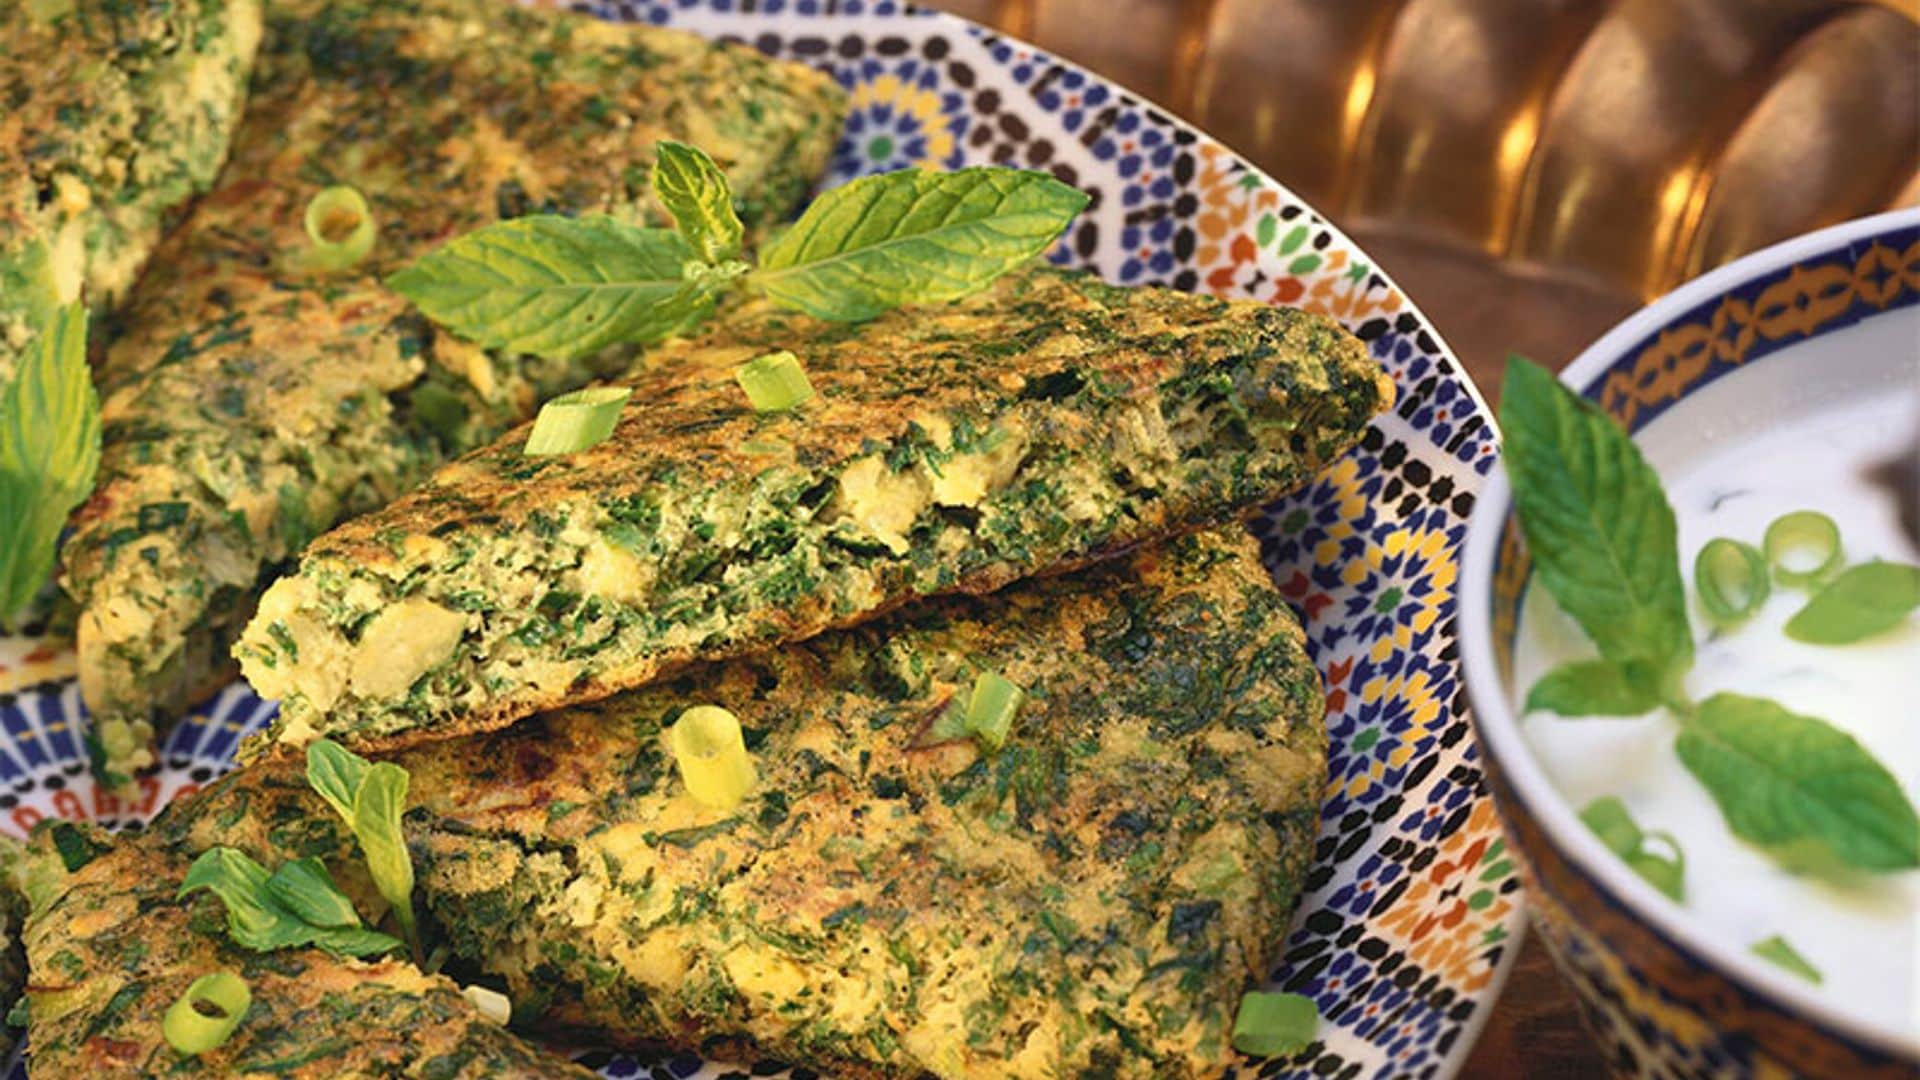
<point x="190" y="1030"/>
<point x="990" y="708"/>
<point x="711" y="755"/>
<point x="1803" y="531"/>
<point x="576" y="421"/>
<point x="775" y="382"/>
<point x="341" y="227"/>
<point x="1731" y="578"/>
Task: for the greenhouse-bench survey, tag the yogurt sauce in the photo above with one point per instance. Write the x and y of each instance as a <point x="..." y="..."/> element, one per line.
<point x="1863" y="933"/>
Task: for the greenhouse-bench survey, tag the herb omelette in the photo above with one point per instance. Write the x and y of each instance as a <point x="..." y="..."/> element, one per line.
<point x="1092" y="898"/>
<point x="1039" y="425"/>
<point x="250" y="402"/>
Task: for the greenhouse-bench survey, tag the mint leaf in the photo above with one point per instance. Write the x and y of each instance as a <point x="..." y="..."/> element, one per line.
<point x="273" y="911"/>
<point x="254" y="918"/>
<point x="336" y="773"/>
<point x="1863" y="601"/>
<point x="377" y="808"/>
<point x="370" y="798"/>
<point x="1664" y="872"/>
<point x="1794" y="784"/>
<point x="696" y="193"/>
<point x="49" y="452"/>
<point x="1778" y="951"/>
<point x="557" y="287"/>
<point x="1598" y="688"/>
<point x="1596" y="521"/>
<point x="913" y="237"/>
<point x="27" y="286"/>
<point x="305" y="889"/>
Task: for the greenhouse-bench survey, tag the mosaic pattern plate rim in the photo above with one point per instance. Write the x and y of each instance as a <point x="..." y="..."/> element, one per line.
<point x="1412" y="917"/>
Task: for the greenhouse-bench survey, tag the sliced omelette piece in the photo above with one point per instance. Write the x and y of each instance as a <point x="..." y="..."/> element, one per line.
<point x="1042" y="424"/>
<point x="1091" y="899"/>
<point x="110" y="950"/>
<point x="249" y="402"/>
<point x="115" y="115"/>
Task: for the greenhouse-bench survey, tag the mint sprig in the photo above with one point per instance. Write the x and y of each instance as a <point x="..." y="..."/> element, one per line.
<point x="565" y="287"/>
<point x="371" y="799"/>
<point x="1604" y="543"/>
<point x="297" y="904"/>
<point x="49" y="452"/>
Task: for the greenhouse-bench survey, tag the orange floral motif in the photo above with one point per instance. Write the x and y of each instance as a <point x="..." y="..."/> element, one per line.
<point x="1451" y="906"/>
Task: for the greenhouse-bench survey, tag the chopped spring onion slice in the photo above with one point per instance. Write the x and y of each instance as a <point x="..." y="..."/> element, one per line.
<point x="207" y="1013"/>
<point x="1731" y="578"/>
<point x="1777" y="950"/>
<point x="1274" y="1025"/>
<point x="1668" y="873"/>
<point x="775" y="382"/>
<point x="341" y="227"/>
<point x="1607" y="816"/>
<point x="492" y="1004"/>
<point x="712" y="756"/>
<point x="1803" y="547"/>
<point x="991" y="708"/>
<point x="573" y="422"/>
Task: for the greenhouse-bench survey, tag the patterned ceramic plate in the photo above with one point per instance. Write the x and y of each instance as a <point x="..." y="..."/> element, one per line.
<point x="1413" y="911"/>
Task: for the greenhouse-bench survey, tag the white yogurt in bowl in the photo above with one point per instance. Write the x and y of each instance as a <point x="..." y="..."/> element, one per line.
<point x="1797" y="370"/>
<point x="1798" y="432"/>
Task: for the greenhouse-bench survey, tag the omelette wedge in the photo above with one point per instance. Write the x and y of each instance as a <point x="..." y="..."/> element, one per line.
<point x="1043" y="424"/>
<point x="115" y="114"/>
<point x="1090" y="899"/>
<point x="110" y="949"/>
<point x="250" y="402"/>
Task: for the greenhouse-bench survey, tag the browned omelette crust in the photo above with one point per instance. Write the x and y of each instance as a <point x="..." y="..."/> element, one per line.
<point x="250" y="403"/>
<point x="1095" y="896"/>
<point x="110" y="949"/>
<point x="1047" y="422"/>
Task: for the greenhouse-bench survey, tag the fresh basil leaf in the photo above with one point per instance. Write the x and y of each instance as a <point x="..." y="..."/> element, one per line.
<point x="696" y="193"/>
<point x="49" y="452"/>
<point x="1788" y="783"/>
<point x="305" y="889"/>
<point x="336" y="773"/>
<point x="1596" y="521"/>
<point x="913" y="237"/>
<point x="1777" y="950"/>
<point x="1863" y="601"/>
<point x="255" y="919"/>
<point x="1609" y="819"/>
<point x="1598" y="688"/>
<point x="557" y="287"/>
<point x="377" y="808"/>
